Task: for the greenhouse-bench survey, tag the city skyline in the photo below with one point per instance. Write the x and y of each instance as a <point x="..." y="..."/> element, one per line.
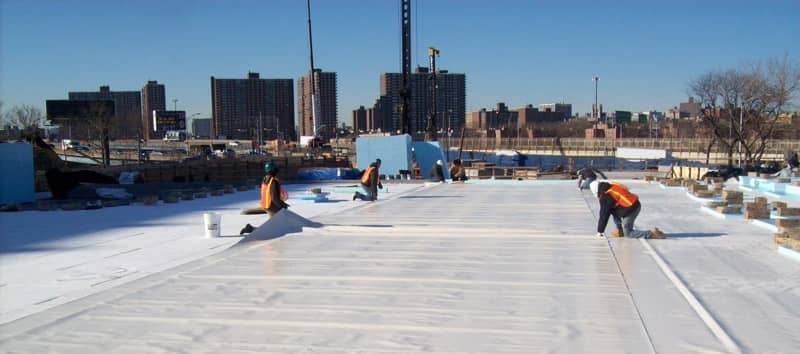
<point x="517" y="52"/>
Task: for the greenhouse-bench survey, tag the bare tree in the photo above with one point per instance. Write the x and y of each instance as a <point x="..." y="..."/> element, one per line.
<point x="99" y="117"/>
<point x="26" y="117"/>
<point x="741" y="106"/>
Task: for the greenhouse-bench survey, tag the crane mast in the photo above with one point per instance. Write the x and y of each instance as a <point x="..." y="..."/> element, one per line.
<point x="405" y="56"/>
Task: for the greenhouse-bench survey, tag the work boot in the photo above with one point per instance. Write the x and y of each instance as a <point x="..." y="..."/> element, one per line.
<point x="657" y="234"/>
<point x="355" y="196"/>
<point x="617" y="233"/>
<point x="247" y="229"/>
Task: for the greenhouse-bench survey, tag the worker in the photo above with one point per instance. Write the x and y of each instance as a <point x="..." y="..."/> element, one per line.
<point x="370" y="182"/>
<point x="617" y="201"/>
<point x="436" y="174"/>
<point x="457" y="172"/>
<point x="790" y="157"/>
<point x="587" y="175"/>
<point x="273" y="196"/>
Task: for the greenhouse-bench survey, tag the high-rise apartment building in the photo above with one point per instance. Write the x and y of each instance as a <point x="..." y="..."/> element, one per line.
<point x="360" y="120"/>
<point x="153" y="99"/>
<point x="451" y="100"/>
<point x="240" y="107"/>
<point x="326" y="89"/>
<point x="126" y="122"/>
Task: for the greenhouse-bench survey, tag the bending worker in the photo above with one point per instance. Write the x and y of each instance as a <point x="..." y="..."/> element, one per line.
<point x="617" y="201"/>
<point x="370" y="182"/>
<point x="586" y="176"/>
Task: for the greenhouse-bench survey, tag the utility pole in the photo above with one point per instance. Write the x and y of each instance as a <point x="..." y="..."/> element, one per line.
<point x="405" y="55"/>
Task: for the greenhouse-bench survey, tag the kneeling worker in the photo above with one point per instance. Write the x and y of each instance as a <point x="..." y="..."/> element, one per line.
<point x="273" y="196"/>
<point x="370" y="182"/>
<point x="457" y="171"/>
<point x="617" y="201"/>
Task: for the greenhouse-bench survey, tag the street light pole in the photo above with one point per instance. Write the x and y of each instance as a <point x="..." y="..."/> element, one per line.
<point x="596" y="106"/>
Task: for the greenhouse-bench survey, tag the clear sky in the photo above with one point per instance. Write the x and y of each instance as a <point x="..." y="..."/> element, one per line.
<point x="514" y="51"/>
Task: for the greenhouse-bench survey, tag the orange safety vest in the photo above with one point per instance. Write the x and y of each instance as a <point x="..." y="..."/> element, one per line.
<point x="621" y="195"/>
<point x="365" y="175"/>
<point x="266" y="198"/>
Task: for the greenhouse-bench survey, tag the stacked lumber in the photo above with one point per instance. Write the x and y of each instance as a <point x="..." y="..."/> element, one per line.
<point x="733" y="202"/>
<point x="786" y="211"/>
<point x="788" y="237"/>
<point x="672" y="182"/>
<point x="777" y="205"/>
<point x="758" y="209"/>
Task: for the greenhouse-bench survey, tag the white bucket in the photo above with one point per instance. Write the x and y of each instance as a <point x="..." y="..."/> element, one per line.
<point x="212" y="224"/>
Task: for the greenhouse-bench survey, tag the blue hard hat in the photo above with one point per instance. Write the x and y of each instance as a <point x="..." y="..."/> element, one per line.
<point x="269" y="167"/>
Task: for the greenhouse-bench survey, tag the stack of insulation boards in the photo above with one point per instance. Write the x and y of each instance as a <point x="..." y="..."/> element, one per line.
<point x="733" y="202"/>
<point x="758" y="209"/>
<point x="788" y="223"/>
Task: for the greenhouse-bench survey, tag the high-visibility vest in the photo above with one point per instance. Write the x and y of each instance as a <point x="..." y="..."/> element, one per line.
<point x="266" y="198"/>
<point x="365" y="175"/>
<point x="621" y="195"/>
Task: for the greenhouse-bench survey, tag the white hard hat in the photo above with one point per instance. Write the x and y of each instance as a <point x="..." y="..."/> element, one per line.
<point x="593" y="187"/>
<point x="439" y="162"/>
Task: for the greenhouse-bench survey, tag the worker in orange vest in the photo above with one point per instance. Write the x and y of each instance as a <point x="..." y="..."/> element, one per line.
<point x="273" y="196"/>
<point x="370" y="182"/>
<point x="617" y="201"/>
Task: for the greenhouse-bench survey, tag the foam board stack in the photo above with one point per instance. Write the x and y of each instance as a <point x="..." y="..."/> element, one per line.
<point x="777" y="205"/>
<point x="788" y="211"/>
<point x="758" y="209"/>
<point x="733" y="202"/>
<point x="788" y="236"/>
<point x="671" y="182"/>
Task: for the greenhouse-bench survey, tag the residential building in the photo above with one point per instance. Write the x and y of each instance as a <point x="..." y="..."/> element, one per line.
<point x="153" y="99"/>
<point x="328" y="101"/>
<point x="126" y="123"/>
<point x="201" y="128"/>
<point x="450" y="100"/>
<point x="360" y="120"/>
<point x="528" y="116"/>
<point x="564" y="108"/>
<point x="240" y="107"/>
<point x="689" y="109"/>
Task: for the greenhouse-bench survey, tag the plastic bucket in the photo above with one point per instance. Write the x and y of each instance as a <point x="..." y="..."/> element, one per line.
<point x="212" y="224"/>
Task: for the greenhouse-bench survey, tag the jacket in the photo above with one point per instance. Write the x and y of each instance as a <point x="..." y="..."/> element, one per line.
<point x="615" y="199"/>
<point x="370" y="177"/>
<point x="273" y="196"/>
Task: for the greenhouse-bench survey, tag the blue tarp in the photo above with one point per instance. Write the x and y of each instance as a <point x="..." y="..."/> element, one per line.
<point x="326" y="173"/>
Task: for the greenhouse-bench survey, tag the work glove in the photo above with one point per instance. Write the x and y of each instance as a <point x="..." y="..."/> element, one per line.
<point x="601" y="234"/>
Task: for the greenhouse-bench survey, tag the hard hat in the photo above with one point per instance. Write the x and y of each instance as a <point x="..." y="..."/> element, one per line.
<point x="269" y="167"/>
<point x="439" y="162"/>
<point x="593" y="187"/>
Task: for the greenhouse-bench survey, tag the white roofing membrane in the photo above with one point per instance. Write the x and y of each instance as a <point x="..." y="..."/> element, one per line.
<point x="454" y="268"/>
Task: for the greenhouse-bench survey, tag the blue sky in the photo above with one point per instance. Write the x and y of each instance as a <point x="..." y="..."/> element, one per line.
<point x="514" y="51"/>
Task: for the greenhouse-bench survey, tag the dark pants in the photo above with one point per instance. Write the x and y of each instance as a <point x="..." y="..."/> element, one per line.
<point x="371" y="194"/>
